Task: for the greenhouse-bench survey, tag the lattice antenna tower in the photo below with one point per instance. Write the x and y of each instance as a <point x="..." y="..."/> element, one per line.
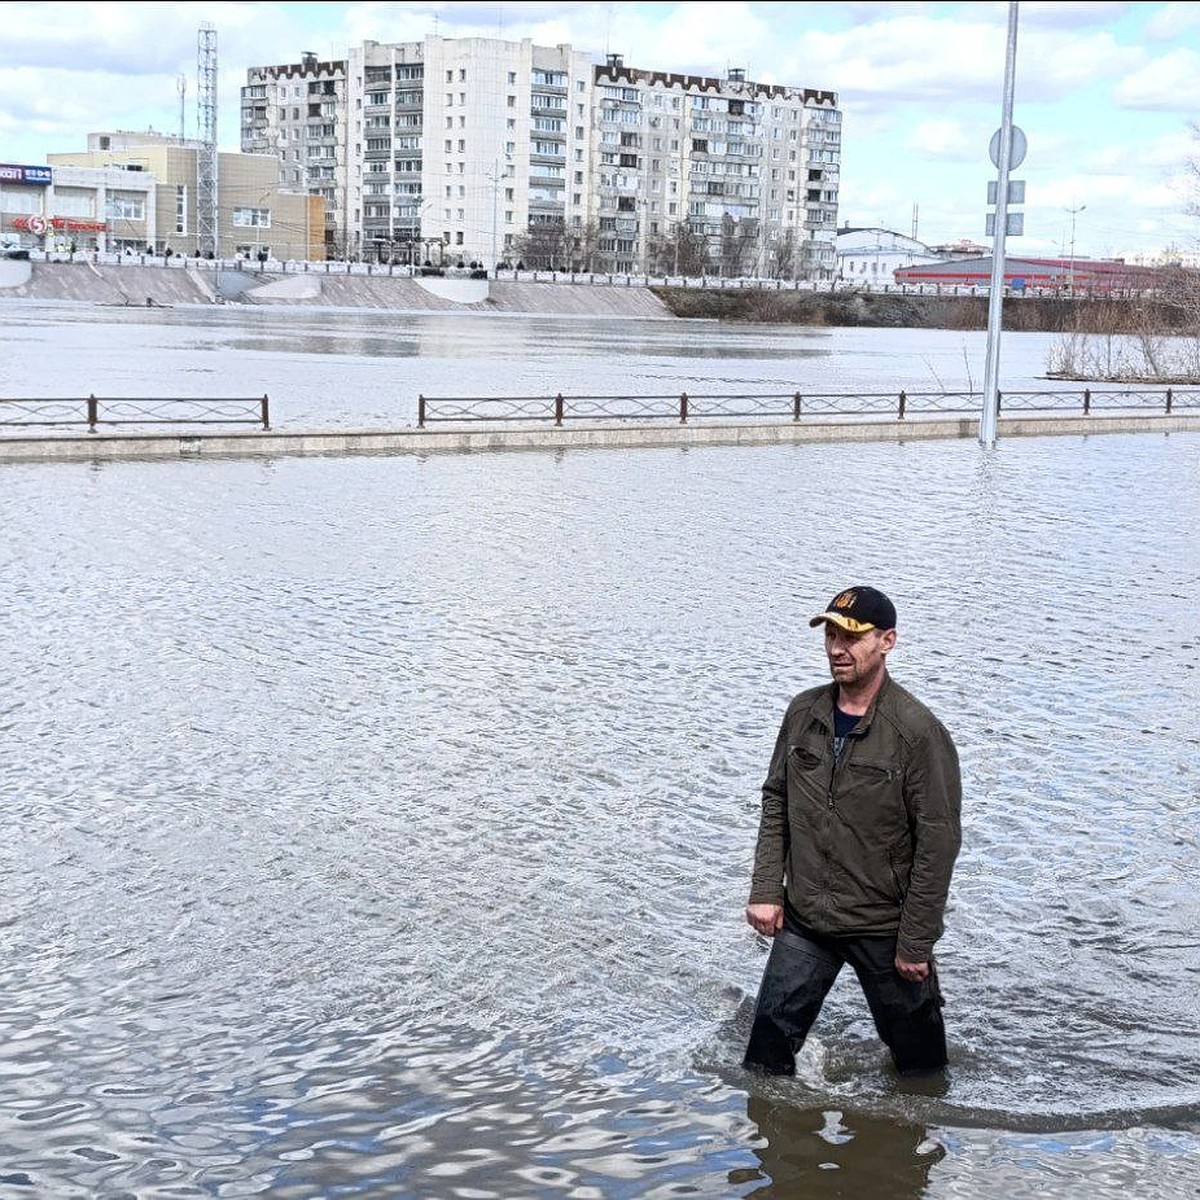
<point x="207" y="228"/>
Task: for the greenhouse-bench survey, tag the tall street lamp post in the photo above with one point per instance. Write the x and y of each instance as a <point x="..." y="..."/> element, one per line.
<point x="1071" y="269"/>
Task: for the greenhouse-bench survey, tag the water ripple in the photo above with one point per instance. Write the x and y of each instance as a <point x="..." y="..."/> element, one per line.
<point x="382" y="827"/>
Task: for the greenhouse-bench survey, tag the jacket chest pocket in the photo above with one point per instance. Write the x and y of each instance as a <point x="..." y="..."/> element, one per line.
<point x="807" y="774"/>
<point x="875" y="790"/>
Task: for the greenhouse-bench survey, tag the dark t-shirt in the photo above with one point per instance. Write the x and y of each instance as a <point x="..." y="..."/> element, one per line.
<point x="843" y="725"/>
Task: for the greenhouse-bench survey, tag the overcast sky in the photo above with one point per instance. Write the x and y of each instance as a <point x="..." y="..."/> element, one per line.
<point x="1105" y="92"/>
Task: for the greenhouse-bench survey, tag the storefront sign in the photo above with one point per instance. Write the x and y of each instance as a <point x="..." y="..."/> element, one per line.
<point x="39" y="176"/>
<point x="39" y="225"/>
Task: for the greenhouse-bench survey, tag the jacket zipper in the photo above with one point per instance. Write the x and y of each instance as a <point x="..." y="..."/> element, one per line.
<point x="837" y="766"/>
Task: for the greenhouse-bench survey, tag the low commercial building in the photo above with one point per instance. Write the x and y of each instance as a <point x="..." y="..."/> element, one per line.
<point x="75" y="209"/>
<point x="137" y="191"/>
<point x="1062" y="275"/>
<point x="869" y="255"/>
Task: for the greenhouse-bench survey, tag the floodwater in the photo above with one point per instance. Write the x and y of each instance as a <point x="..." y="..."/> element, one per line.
<point x="354" y="369"/>
<point x="381" y="826"/>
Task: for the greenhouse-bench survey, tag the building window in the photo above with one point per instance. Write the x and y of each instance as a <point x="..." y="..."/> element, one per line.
<point x="74" y="203"/>
<point x="126" y="206"/>
<point x="252" y="218"/>
<point x="181" y="208"/>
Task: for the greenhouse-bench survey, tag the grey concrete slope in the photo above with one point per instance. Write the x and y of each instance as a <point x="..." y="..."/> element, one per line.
<point x="408" y="295"/>
<point x="92" y="284"/>
<point x="577" y="300"/>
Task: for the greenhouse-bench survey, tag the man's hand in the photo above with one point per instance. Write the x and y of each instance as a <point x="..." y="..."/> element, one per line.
<point x="766" y="919"/>
<point x="916" y="972"/>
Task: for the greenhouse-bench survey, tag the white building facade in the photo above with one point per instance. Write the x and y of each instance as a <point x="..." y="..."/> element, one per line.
<point x="66" y="208"/>
<point x="474" y="150"/>
<point x="460" y="145"/>
<point x="870" y="256"/>
<point x="739" y="178"/>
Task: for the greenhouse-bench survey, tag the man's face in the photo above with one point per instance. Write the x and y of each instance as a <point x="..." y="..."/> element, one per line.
<point x="855" y="658"/>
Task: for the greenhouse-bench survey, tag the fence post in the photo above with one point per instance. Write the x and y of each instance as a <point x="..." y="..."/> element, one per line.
<point x="903" y="405"/>
<point x="93" y="413"/>
<point x="1169" y="399"/>
<point x="420" y="412"/>
<point x="558" y="409"/>
<point x="796" y="406"/>
<point x="683" y="408"/>
<point x="1087" y="401"/>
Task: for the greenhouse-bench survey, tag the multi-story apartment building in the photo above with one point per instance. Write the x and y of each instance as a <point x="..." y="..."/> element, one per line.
<point x="461" y="144"/>
<point x="480" y="150"/>
<point x="297" y="112"/>
<point x="724" y="174"/>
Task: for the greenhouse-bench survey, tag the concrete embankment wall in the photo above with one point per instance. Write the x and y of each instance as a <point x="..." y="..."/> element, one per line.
<point x="466" y="295"/>
<point x="312" y="443"/>
<point x="136" y="285"/>
<point x="132" y="285"/>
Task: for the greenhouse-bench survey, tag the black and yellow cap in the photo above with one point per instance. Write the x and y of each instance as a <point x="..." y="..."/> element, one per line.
<point x="859" y="609"/>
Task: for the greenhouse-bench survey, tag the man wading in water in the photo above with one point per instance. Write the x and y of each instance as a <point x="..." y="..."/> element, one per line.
<point x="857" y="842"/>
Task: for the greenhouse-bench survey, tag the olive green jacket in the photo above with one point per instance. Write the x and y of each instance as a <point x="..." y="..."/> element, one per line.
<point x="866" y="846"/>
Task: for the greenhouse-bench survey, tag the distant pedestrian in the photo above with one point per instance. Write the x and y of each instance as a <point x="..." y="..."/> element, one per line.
<point x="859" y="832"/>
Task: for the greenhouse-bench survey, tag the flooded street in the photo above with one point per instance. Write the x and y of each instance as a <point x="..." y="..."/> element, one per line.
<point x="382" y="826"/>
<point x="356" y="369"/>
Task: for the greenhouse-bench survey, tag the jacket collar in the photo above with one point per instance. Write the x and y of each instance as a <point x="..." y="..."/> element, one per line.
<point x="827" y="700"/>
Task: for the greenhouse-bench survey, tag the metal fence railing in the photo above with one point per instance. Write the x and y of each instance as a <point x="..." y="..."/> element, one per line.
<point x="684" y="407"/>
<point x="94" y="411"/>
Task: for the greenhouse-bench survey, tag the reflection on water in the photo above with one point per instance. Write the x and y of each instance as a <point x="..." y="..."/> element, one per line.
<point x="829" y="1152"/>
<point x="382" y="826"/>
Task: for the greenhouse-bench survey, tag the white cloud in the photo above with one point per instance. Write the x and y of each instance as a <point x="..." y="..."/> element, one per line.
<point x="945" y="139"/>
<point x="1070" y="14"/>
<point x="1167" y="83"/>
<point x="1166" y="22"/>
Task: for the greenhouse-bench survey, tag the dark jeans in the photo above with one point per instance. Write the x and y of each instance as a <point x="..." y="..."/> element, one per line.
<point x="799" y="973"/>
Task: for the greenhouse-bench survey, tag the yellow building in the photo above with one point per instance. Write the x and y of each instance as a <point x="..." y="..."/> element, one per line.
<point x="254" y="219"/>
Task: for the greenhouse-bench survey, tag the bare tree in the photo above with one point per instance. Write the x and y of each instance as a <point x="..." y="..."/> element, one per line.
<point x="738" y="242"/>
<point x="680" y="251"/>
<point x="544" y="246"/>
<point x="781" y="255"/>
<point x="581" y="245"/>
